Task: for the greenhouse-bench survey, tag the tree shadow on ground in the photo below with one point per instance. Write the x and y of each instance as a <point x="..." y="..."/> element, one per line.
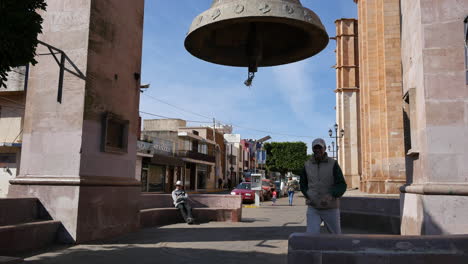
<point x="142" y="255"/>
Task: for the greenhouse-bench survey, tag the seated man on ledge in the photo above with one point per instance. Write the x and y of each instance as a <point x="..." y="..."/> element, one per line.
<point x="180" y="198"/>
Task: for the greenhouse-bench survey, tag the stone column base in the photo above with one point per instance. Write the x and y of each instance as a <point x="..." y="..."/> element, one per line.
<point x="353" y="181"/>
<point x="89" y="208"/>
<point x="433" y="214"/>
<point x="382" y="186"/>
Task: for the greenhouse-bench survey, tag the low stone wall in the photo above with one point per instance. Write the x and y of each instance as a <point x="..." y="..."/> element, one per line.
<point x="10" y="213"/>
<point x="158" y="209"/>
<point x="362" y="249"/>
<point x="373" y="214"/>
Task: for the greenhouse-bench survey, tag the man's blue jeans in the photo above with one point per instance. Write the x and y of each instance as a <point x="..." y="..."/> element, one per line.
<point x="291" y="197"/>
<point x="331" y="218"/>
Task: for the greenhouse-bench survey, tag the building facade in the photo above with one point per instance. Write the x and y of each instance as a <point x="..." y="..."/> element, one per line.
<point x="380" y="80"/>
<point x="348" y="100"/>
<point x="203" y="157"/>
<point x="12" y="104"/>
<point x="158" y="168"/>
<point x="233" y="160"/>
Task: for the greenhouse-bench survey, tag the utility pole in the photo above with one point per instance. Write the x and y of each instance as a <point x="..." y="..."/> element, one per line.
<point x="214" y="129"/>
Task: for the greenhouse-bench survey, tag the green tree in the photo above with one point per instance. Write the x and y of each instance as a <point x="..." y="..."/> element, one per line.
<point x="286" y="156"/>
<point x="20" y="23"/>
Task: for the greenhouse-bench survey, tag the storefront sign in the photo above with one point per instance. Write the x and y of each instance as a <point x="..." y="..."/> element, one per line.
<point x="164" y="147"/>
<point x="156" y="146"/>
<point x="145" y="147"/>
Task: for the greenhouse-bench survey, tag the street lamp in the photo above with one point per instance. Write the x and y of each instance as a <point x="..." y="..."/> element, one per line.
<point x="336" y="137"/>
<point x="332" y="149"/>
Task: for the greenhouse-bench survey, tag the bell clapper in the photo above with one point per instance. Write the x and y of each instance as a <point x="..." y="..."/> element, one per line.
<point x="249" y="80"/>
<point x="254" y="51"/>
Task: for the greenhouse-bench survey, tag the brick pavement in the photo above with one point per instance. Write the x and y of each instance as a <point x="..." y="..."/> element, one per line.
<point x="262" y="237"/>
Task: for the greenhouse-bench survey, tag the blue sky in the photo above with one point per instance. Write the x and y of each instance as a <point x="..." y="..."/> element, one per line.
<point x="293" y="102"/>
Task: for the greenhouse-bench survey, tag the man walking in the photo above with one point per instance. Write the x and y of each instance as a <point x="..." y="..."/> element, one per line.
<point x="180" y="197"/>
<point x="322" y="184"/>
<point x="291" y="187"/>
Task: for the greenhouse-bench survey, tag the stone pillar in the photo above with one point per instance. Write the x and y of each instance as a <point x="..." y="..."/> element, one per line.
<point x="347" y="99"/>
<point x="435" y="85"/>
<point x="382" y="138"/>
<point x="83" y="181"/>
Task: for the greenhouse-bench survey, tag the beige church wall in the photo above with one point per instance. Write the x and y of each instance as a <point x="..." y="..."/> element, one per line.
<point x="381" y="109"/>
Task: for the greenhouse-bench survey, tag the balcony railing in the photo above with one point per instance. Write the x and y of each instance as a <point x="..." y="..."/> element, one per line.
<point x="196" y="156"/>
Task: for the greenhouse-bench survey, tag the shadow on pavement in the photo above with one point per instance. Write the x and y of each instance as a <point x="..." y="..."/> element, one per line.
<point x="193" y="235"/>
<point x="140" y="255"/>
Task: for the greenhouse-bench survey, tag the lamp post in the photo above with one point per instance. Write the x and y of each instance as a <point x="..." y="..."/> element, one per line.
<point x="336" y="137"/>
<point x="332" y="149"/>
<point x="231" y="168"/>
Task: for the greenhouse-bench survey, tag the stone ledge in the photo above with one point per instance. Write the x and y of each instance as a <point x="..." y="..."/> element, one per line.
<point x="360" y="249"/>
<point x="10" y="260"/>
<point x="15" y="239"/>
<point x="165" y="216"/>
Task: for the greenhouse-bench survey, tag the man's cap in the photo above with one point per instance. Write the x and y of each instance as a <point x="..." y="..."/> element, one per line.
<point x="320" y="142"/>
<point x="178" y="183"/>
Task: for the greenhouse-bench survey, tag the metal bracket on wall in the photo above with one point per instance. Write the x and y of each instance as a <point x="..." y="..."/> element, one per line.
<point x="63" y="59"/>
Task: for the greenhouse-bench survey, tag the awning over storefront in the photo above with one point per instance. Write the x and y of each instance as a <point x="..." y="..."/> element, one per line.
<point x="166" y="160"/>
<point x="198" y="161"/>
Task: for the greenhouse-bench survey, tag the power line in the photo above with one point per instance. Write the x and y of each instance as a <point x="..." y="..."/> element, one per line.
<point x="234" y="125"/>
<point x="237" y="126"/>
<point x="191" y="121"/>
<point x="12" y="101"/>
<point x="204" y="116"/>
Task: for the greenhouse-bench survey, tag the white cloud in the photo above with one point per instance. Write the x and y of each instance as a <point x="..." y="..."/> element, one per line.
<point x="296" y="85"/>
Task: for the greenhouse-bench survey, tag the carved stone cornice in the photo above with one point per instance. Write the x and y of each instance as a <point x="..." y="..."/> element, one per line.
<point x="436" y="189"/>
<point x="347" y="89"/>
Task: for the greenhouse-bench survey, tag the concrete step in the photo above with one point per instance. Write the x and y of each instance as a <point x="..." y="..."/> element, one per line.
<point x="10" y="260"/>
<point x="20" y="238"/>
<point x="18" y="210"/>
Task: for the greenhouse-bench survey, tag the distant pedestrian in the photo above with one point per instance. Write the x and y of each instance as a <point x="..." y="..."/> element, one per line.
<point x="220" y="183"/>
<point x="180" y="198"/>
<point x="229" y="183"/>
<point x="322" y="184"/>
<point x="291" y="188"/>
<point x="273" y="197"/>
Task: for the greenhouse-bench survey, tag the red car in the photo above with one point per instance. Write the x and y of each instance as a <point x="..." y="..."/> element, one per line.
<point x="244" y="190"/>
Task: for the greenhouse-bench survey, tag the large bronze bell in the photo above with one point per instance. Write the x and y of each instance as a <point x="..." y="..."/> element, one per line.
<point x="256" y="33"/>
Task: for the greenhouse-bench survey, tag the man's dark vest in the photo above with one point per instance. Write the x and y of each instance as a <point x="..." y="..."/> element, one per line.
<point x="320" y="181"/>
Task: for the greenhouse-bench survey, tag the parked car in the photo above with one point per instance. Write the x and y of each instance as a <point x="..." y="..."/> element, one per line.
<point x="267" y="187"/>
<point x="245" y="191"/>
<point x="281" y="188"/>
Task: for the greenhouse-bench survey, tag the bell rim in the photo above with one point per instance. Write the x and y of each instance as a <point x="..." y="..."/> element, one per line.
<point x="308" y="27"/>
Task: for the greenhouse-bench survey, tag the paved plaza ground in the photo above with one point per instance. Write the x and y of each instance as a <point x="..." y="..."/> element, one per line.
<point x="261" y="237"/>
